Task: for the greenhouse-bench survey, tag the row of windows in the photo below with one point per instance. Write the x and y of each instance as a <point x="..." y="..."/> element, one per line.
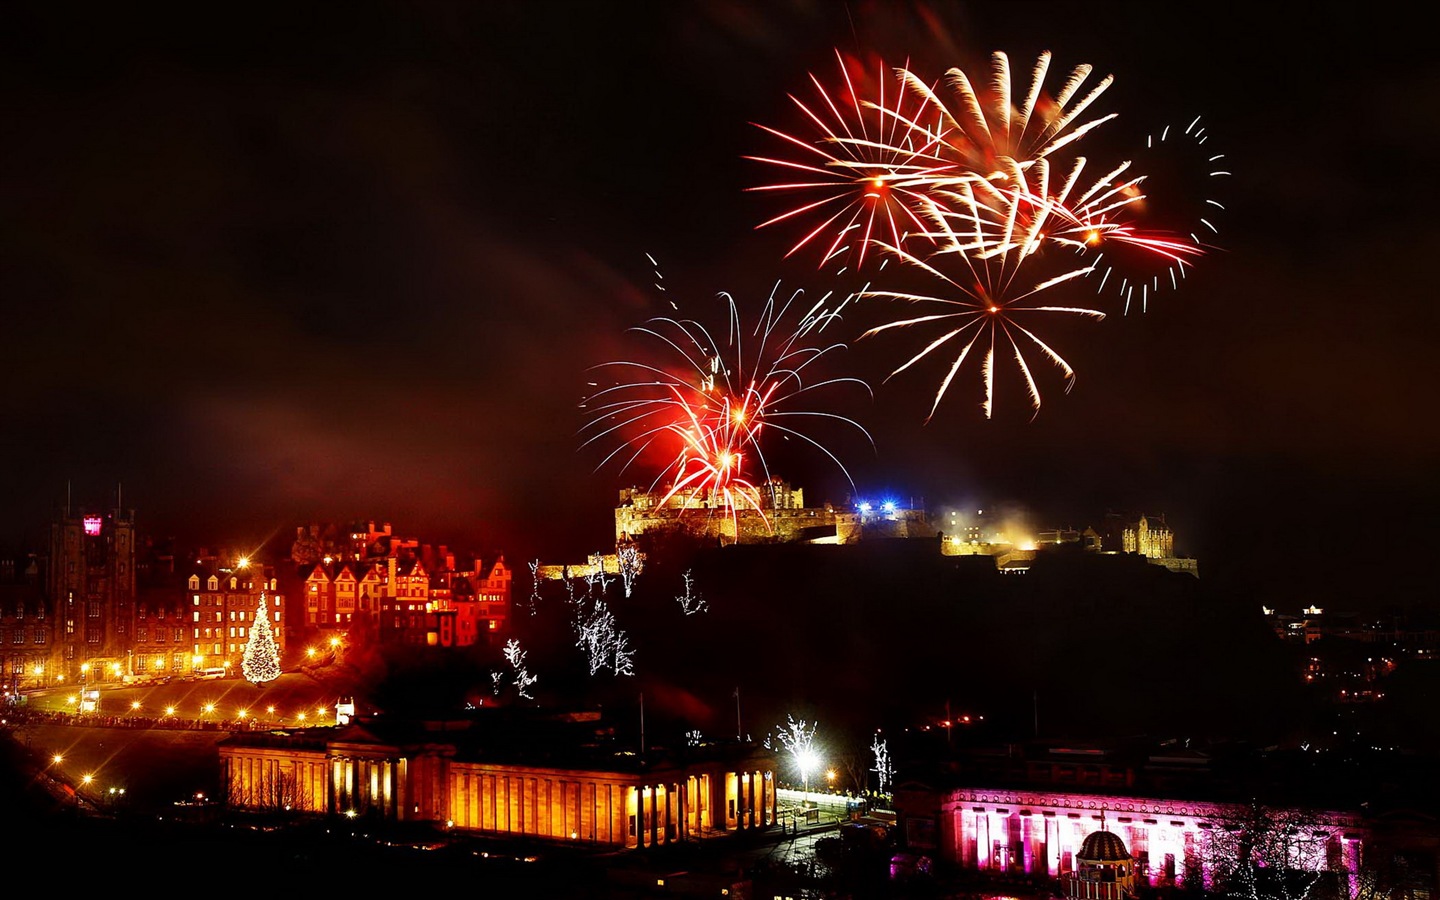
<point x="40" y="635"/>
<point x="233" y="600"/>
<point x="212" y="633"/>
<point x="145" y="663"/>
<point x="213" y="584"/>
<point x="177" y="635"/>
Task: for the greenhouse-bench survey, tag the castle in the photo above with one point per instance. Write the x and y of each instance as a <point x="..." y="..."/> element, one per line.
<point x="782" y="517"/>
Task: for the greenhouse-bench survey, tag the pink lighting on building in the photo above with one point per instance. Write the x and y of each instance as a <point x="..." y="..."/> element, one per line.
<point x="1042" y="833"/>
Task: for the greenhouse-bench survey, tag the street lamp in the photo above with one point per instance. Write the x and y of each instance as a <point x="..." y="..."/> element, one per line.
<point x="84" y="703"/>
<point x="808" y="760"/>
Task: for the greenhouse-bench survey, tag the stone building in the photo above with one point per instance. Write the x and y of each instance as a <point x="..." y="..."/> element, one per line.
<point x="105" y="607"/>
<point x="1046" y="833"/>
<point x="90" y="587"/>
<point x="224" y="599"/>
<point x="782" y="517"/>
<point x="507" y="772"/>
<point x="402" y="600"/>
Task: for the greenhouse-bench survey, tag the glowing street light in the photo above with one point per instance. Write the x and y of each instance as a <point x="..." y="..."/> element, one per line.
<point x="808" y="761"/>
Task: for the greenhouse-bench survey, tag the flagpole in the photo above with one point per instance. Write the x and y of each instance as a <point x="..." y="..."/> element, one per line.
<point x="739" y="732"/>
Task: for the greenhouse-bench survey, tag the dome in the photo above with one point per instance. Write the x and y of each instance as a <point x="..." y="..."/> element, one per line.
<point x="1103" y="847"/>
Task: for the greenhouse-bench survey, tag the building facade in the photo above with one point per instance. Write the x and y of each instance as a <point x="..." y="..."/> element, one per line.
<point x="101" y="609"/>
<point x="558" y="786"/>
<point x="403" y="601"/>
<point x="224" y="601"/>
<point x="1043" y="833"/>
<point x="782" y="517"/>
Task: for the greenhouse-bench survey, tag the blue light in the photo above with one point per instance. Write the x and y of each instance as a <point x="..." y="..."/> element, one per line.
<point x="889" y="505"/>
<point x="864" y="507"/>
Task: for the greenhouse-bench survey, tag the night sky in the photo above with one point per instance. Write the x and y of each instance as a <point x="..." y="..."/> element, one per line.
<point x="268" y="264"/>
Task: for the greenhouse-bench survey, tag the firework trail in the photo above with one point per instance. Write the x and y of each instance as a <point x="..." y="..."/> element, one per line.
<point x="995" y="203"/>
<point x="983" y="315"/>
<point x="1143" y="232"/>
<point x="985" y="128"/>
<point x="705" y="407"/>
<point x="862" y="170"/>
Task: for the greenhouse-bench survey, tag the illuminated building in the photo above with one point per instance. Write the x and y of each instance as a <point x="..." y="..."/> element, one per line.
<point x="1104" y="869"/>
<point x="25" y="626"/>
<point x="1036" y="811"/>
<point x="104" y="607"/>
<point x="406" y="602"/>
<point x="1045" y="832"/>
<point x="223" y="602"/>
<point x="782" y="517"/>
<point x="506" y="772"/>
<point x="90" y="585"/>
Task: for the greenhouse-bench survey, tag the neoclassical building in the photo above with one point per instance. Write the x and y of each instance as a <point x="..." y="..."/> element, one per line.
<point x="1050" y="833"/>
<point x="506" y="772"/>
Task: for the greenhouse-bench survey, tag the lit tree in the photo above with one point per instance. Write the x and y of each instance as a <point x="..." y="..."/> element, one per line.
<point x="884" y="769"/>
<point x="516" y="658"/>
<point x="534" y="587"/>
<point x="798" y="739"/>
<point x="631" y="564"/>
<point x="604" y="643"/>
<point x="691" y="602"/>
<point x="261" y="660"/>
<point x="1255" y="852"/>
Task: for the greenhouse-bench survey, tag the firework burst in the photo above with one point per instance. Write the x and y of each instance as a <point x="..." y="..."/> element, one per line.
<point x="706" y="406"/>
<point x="863" y="171"/>
<point x="982" y="131"/>
<point x="1001" y="210"/>
<point x="981" y="255"/>
<point x="1143" y="232"/>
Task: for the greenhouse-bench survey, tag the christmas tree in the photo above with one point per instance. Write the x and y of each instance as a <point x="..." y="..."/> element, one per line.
<point x="261" y="662"/>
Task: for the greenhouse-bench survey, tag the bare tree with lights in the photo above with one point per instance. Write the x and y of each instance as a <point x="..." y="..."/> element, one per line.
<point x="798" y="739"/>
<point x="884" y="768"/>
<point x="1255" y="852"/>
<point x="534" y="587"/>
<point x="523" y="679"/>
<point x="690" y="601"/>
<point x="260" y="662"/>
<point x="631" y="564"/>
<point x="604" y="643"/>
<point x="272" y="791"/>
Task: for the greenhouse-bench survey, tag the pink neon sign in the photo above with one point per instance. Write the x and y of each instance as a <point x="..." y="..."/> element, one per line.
<point x="92" y="524"/>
